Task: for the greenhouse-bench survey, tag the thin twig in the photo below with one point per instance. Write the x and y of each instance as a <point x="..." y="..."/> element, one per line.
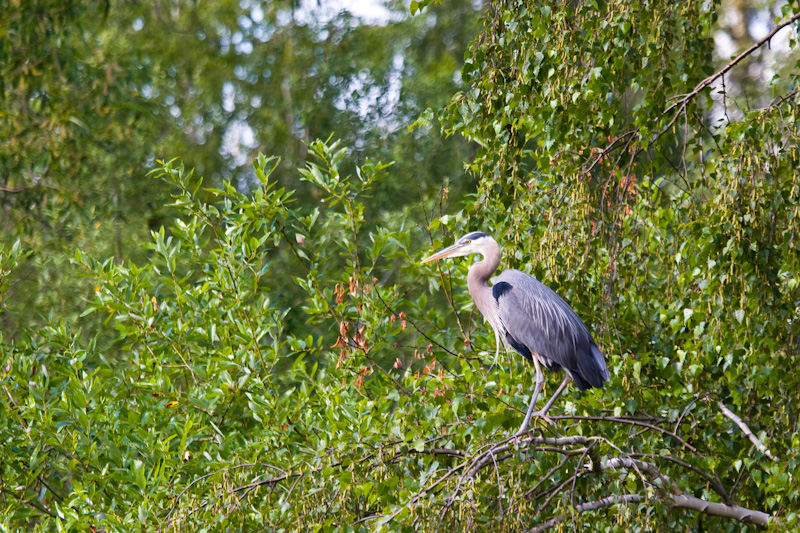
<point x="413" y="325"/>
<point x="204" y="476"/>
<point x="631" y="422"/>
<point x="499" y="487"/>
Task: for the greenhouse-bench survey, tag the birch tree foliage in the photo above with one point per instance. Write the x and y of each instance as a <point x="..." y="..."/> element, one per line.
<point x="608" y="169"/>
<point x="623" y="161"/>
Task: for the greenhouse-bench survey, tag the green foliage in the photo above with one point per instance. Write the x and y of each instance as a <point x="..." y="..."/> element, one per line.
<point x="673" y="234"/>
<point x="213" y="385"/>
<point x="224" y="414"/>
<point x="92" y="93"/>
<point x="277" y="359"/>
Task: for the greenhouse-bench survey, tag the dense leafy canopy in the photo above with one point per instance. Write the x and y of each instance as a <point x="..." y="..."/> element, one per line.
<point x="275" y="358"/>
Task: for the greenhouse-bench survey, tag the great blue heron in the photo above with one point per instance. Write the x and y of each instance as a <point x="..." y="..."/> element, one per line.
<point x="530" y="318"/>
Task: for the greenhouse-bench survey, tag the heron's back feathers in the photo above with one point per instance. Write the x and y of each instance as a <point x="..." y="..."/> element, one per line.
<point x="534" y="320"/>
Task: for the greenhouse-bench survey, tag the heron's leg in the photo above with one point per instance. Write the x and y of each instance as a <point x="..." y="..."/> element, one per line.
<point x="497" y="343"/>
<point x="536" y="391"/>
<point x="558" y="392"/>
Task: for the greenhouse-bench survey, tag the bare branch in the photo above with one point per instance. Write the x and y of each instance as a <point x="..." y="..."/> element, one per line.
<point x="682" y="100"/>
<point x="724" y="70"/>
<point x="616" y="463"/>
<point x="676" y="499"/>
<point x="681" y="103"/>
<point x="631" y="421"/>
<point x="748" y="516"/>
<point x="668" y="493"/>
<point x="589" y="506"/>
<point x="739" y="422"/>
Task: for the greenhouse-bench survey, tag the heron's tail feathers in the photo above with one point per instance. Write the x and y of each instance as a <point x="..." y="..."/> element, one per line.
<point x="600" y="360"/>
<point x="592" y="371"/>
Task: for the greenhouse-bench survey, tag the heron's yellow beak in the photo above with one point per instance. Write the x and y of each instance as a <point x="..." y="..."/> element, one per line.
<point x="447" y="252"/>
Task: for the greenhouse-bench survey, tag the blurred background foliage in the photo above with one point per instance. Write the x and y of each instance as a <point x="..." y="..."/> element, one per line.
<point x="92" y="93"/>
<point x="259" y="349"/>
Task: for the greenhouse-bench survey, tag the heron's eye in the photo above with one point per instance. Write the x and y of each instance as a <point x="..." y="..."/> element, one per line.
<point x="467" y="241"/>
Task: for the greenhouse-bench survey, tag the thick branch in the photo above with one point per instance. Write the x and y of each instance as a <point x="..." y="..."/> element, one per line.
<point x="675" y="501"/>
<point x="616" y="463"/>
<point x="748" y="516"/>
<point x="739" y="422"/>
<point x="683" y="501"/>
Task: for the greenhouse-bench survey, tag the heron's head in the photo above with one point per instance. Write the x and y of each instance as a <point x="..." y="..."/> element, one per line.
<point x="471" y="243"/>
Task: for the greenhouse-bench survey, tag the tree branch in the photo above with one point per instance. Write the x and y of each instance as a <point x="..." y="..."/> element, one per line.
<point x="589" y="506"/>
<point x="716" y="484"/>
<point x="748" y="516"/>
<point x="615" y="463"/>
<point x="682" y="100"/>
<point x="724" y="70"/>
<point x="675" y="499"/>
<point x="633" y="422"/>
<point x="739" y="422"/>
<point x="668" y="493"/>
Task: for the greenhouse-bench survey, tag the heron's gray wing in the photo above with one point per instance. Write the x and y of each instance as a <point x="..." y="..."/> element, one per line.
<point x="538" y="321"/>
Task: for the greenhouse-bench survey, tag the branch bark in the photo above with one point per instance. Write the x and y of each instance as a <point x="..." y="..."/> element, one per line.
<point x="748" y="516"/>
<point x="589" y="506"/>
<point x="746" y="430"/>
<point x="670" y="494"/>
<point x="676" y="501"/>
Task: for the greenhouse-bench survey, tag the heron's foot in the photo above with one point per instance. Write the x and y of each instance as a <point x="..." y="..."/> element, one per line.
<point x="539" y="415"/>
<point x="521" y="436"/>
<point x="523" y="431"/>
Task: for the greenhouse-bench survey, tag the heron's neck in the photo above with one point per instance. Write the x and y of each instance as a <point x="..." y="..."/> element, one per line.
<point x="478" y="282"/>
<point x="480" y="272"/>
